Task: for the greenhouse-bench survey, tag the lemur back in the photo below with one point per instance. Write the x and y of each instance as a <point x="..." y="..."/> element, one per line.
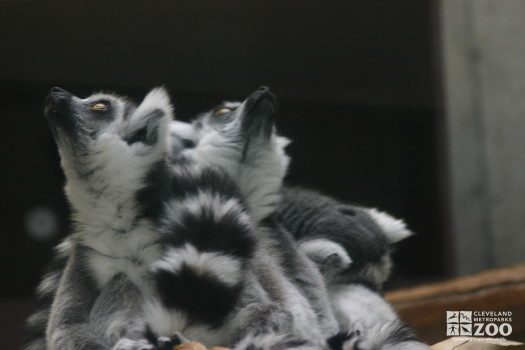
<point x="349" y="244"/>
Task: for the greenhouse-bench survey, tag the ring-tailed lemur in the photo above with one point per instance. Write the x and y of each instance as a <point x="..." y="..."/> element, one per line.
<point x="108" y="148"/>
<point x="246" y="297"/>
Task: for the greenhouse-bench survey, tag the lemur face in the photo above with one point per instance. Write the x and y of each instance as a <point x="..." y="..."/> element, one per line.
<point x="107" y="130"/>
<point x="229" y="121"/>
<point x="253" y="116"/>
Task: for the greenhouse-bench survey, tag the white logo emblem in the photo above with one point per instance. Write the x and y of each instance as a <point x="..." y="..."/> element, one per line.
<point x="479" y="323"/>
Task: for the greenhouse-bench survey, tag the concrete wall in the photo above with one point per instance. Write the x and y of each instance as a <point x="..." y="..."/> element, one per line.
<point x="483" y="44"/>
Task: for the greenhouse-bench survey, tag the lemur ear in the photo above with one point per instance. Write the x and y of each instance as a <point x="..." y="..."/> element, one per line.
<point x="158" y="98"/>
<point x="395" y="229"/>
<point x="151" y="118"/>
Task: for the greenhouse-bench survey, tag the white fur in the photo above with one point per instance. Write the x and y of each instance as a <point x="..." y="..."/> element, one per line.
<point x="108" y="197"/>
<point x="319" y="249"/>
<point x="166" y="322"/>
<point x="218" y="206"/>
<point x="36" y="345"/>
<point x="182" y="130"/>
<point x="103" y="176"/>
<point x="129" y="344"/>
<point x="395" y="229"/>
<point x="38" y="317"/>
<point x="49" y="283"/>
<point x="63" y="249"/>
<point x="378" y="273"/>
<point x="156" y="99"/>
<point x="261" y="341"/>
<point x="359" y="309"/>
<point x="260" y="178"/>
<point x="105" y="208"/>
<point x="131" y="253"/>
<point x="224" y="268"/>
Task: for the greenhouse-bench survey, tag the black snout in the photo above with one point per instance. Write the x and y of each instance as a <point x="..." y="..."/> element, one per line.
<point x="57" y="95"/>
<point x="57" y="102"/>
<point x="59" y="112"/>
<point x="262" y="99"/>
<point x="259" y="109"/>
<point x="56" y="89"/>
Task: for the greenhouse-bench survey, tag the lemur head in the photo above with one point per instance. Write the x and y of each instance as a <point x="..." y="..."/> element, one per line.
<point x="252" y="117"/>
<point x="239" y="138"/>
<point x="106" y="142"/>
<point x="235" y="122"/>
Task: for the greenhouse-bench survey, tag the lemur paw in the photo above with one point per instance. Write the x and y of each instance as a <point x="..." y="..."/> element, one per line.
<point x="263" y="317"/>
<point x="344" y="341"/>
<point x="327" y="255"/>
<point x="168" y="343"/>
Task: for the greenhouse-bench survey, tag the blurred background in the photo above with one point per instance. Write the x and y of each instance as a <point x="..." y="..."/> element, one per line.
<point x="412" y="106"/>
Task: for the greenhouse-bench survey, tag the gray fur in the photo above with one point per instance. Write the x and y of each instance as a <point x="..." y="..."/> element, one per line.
<point x="283" y="297"/>
<point x="36" y="324"/>
<point x="372" y="321"/>
<point x="102" y="287"/>
<point x="351" y="247"/>
<point x="281" y="278"/>
<point x="348" y="243"/>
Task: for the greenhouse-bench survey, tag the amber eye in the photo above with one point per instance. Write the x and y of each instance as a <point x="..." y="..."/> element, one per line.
<point x="223" y="110"/>
<point x="99" y="106"/>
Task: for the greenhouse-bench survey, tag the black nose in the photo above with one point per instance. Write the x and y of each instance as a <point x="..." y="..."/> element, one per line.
<point x="258" y="112"/>
<point x="58" y="101"/>
<point x="261" y="96"/>
<point x="56" y="95"/>
<point x="57" y="90"/>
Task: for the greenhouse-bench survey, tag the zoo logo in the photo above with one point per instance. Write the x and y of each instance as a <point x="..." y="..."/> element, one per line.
<point x="467" y="323"/>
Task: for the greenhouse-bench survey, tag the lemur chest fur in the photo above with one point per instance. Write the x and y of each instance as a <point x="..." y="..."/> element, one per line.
<point x="110" y="253"/>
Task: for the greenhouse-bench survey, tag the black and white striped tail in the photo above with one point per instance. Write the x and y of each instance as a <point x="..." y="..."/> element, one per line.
<point x="207" y="238"/>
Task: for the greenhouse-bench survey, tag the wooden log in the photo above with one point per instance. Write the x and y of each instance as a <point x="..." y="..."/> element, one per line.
<point x="424" y="307"/>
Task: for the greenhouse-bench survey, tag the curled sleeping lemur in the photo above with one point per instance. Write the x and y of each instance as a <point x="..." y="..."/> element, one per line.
<point x="144" y="230"/>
